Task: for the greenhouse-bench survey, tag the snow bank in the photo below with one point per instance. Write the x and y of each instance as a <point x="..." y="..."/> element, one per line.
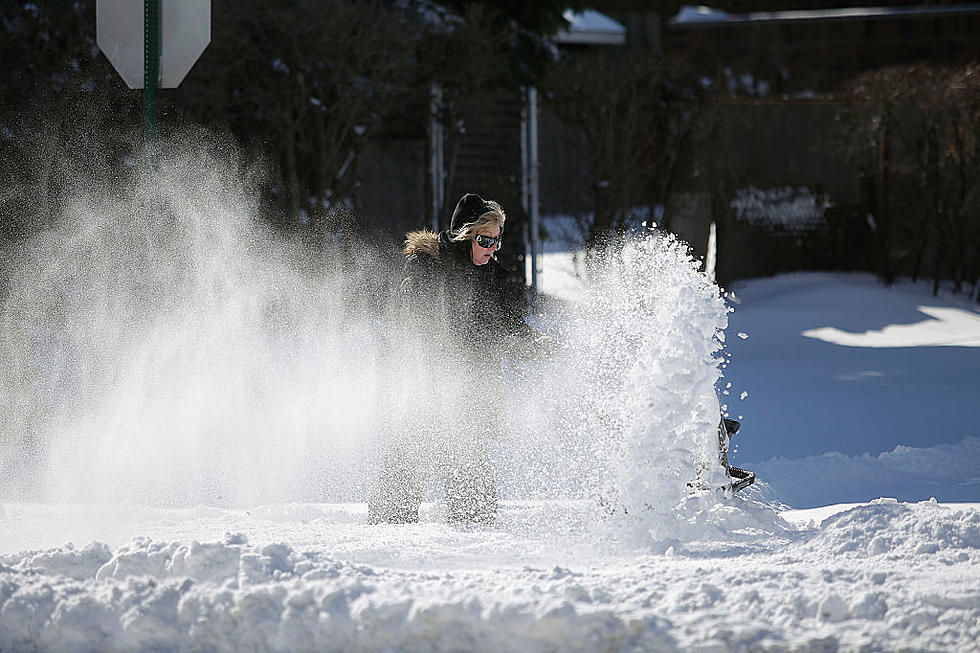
<point x="231" y="596"/>
<point x="884" y="574"/>
<point x="889" y="528"/>
<point x="947" y="472"/>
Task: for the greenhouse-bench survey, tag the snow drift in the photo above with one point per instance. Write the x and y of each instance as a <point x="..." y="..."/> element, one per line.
<point x="895" y="575"/>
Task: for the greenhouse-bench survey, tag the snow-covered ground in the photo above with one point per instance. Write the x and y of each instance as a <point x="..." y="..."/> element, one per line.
<point x="870" y="389"/>
<point x="314" y="577"/>
<point x="167" y="513"/>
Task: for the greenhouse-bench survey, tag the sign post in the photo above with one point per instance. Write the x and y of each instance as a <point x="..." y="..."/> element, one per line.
<point x="152" y="35"/>
<point x="152" y="44"/>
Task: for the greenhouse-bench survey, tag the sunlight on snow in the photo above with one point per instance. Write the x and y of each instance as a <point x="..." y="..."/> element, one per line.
<point x="949" y="327"/>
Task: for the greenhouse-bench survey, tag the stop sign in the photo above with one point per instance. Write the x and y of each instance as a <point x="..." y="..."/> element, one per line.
<point x="186" y="27"/>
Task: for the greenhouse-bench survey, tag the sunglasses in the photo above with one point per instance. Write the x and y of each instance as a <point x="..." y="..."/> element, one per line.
<point x="487" y="242"/>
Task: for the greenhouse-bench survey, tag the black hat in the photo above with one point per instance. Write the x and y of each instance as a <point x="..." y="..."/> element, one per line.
<point x="470" y="207"/>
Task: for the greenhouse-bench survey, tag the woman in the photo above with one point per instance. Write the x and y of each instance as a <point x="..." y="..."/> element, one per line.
<point x="459" y="298"/>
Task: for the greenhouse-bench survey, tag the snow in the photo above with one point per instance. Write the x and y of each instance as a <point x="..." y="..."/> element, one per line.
<point x="688" y="14"/>
<point x="700" y="14"/>
<point x="431" y="14"/>
<point x="841" y="363"/>
<point x="949" y="327"/>
<point x="203" y="487"/>
<point x="795" y="209"/>
<point x="590" y="27"/>
<point x="590" y="20"/>
<point x="280" y="66"/>
<point x="946" y="470"/>
<point x="315" y="577"/>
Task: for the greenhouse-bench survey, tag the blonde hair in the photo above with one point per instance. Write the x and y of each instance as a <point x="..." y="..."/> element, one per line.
<point x="495" y="216"/>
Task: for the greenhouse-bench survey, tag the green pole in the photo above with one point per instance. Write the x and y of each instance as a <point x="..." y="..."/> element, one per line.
<point x="152" y="36"/>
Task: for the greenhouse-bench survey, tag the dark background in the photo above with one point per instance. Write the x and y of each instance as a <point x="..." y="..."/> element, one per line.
<point x="875" y="115"/>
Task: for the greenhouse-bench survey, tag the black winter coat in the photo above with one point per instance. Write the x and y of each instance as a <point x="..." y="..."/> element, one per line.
<point x="476" y="305"/>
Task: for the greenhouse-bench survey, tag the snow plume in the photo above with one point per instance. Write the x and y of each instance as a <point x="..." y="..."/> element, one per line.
<point x="161" y="346"/>
<point x="631" y="405"/>
<point x="655" y="352"/>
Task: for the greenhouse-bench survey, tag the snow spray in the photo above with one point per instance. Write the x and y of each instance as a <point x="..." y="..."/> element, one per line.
<point x="631" y="407"/>
<point x="162" y="346"/>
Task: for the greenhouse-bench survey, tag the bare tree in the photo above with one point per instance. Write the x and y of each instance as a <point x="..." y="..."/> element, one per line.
<point x="931" y="115"/>
<point x="471" y="61"/>
<point x="631" y="123"/>
<point x="308" y="81"/>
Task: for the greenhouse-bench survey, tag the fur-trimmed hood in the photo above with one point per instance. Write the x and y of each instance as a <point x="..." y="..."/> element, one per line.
<point x="480" y="302"/>
<point x="438" y="247"/>
<point x="422" y="242"/>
